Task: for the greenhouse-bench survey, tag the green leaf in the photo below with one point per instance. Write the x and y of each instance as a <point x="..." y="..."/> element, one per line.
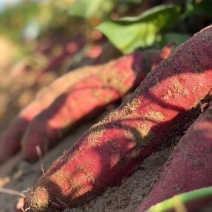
<point x="181" y="199"/>
<point x="88" y="9"/>
<point x="130" y="33"/>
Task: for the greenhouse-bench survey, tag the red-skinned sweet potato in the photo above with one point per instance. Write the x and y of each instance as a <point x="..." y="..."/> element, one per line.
<point x="11" y="142"/>
<point x="86" y="98"/>
<point x="112" y="148"/>
<point x="69" y="49"/>
<point x="107" y="81"/>
<point x="189" y="166"/>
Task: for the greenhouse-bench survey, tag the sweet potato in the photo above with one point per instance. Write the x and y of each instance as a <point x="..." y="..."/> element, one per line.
<point x="83" y="99"/>
<point x="189" y="166"/>
<point x="109" y="81"/>
<point x="69" y="49"/>
<point x="112" y="148"/>
<point x="11" y="142"/>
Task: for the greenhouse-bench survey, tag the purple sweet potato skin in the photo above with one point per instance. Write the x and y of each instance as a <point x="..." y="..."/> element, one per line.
<point x="112" y="148"/>
<point x="189" y="166"/>
<point x="136" y="65"/>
